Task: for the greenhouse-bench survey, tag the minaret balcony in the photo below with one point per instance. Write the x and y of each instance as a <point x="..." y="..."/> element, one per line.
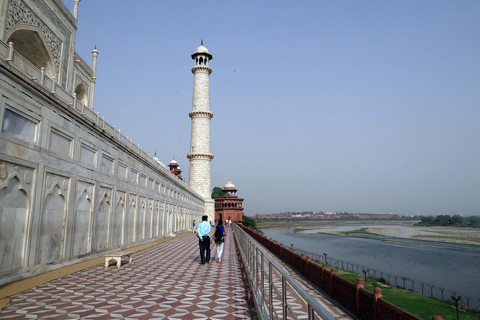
<point x="201" y="113"/>
<point x="193" y="155"/>
<point x="201" y="68"/>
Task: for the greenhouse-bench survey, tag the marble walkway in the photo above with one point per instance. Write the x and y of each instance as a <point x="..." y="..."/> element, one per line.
<point x="165" y="281"/>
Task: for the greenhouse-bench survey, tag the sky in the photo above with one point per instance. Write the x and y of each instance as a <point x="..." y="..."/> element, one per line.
<point x="357" y="106"/>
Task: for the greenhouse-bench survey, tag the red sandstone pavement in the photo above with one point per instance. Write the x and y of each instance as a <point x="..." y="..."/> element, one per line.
<point x="163" y="281"/>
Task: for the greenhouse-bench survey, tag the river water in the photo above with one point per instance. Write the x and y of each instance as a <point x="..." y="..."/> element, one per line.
<point x="454" y="267"/>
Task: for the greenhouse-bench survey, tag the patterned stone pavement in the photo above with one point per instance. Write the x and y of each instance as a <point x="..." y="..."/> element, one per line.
<point x="165" y="281"/>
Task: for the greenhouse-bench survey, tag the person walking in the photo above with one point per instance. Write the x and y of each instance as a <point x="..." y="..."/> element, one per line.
<point x="219" y="238"/>
<point x="203" y="231"/>
<point x="193" y="229"/>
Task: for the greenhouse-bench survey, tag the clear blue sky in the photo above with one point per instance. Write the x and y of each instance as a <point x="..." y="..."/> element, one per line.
<point x="358" y="106"/>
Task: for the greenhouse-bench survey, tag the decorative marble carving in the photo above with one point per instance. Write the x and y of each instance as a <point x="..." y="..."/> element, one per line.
<point x="9" y="171"/>
<point x="27" y="177"/>
<point x="140" y="224"/>
<point x="121" y="198"/>
<point x="15" y="196"/>
<point x="3" y="171"/>
<point x="103" y="219"/>
<point x="20" y="13"/>
<point x="118" y="220"/>
<point x="51" y="240"/>
<point x="83" y="219"/>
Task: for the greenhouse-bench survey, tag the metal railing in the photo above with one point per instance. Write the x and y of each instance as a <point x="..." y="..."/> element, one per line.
<point x="275" y="293"/>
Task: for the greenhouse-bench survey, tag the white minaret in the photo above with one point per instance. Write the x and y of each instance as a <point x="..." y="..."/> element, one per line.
<point x="200" y="156"/>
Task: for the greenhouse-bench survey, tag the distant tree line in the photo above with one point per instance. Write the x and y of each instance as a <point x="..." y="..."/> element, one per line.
<point x="450" y="221"/>
<point x="323" y="213"/>
<point x="339" y="215"/>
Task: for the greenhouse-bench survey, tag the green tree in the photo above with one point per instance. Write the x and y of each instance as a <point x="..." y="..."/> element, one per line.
<point x="442" y="220"/>
<point x="249" y="222"/>
<point x="217" y="192"/>
<point x="427" y="220"/>
<point x="474" y="222"/>
<point x="458" y="221"/>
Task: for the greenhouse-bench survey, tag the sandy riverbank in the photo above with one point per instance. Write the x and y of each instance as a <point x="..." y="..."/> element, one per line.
<point x="396" y="229"/>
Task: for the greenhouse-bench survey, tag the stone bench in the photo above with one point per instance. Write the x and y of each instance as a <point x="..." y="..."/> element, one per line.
<point x="117" y="256"/>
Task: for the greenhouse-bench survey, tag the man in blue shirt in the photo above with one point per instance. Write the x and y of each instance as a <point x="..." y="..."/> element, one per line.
<point x="203" y="231"/>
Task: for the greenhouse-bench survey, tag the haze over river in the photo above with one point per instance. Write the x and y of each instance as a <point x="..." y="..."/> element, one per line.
<point x="454" y="267"/>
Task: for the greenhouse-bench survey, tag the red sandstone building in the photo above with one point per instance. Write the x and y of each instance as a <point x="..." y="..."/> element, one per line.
<point x="175" y="169"/>
<point x="229" y="205"/>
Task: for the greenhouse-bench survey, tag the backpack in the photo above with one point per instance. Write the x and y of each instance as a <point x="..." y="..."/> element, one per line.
<point x="218" y="238"/>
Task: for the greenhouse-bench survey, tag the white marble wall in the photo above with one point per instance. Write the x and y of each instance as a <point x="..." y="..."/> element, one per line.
<point x="70" y="192"/>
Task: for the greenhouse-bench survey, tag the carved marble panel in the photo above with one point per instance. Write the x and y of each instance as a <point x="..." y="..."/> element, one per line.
<point x="149" y="220"/>
<point x="133" y="176"/>
<point x="143" y="180"/>
<point x="118" y="220"/>
<point x="140" y="223"/>
<point x="88" y="155"/>
<point x="19" y="13"/>
<point x="106" y="165"/>
<point x="131" y="218"/>
<point x="60" y="143"/>
<point x="15" y="198"/>
<point x="156" y="219"/>
<point x="102" y="225"/>
<point x="122" y="171"/>
<point x="53" y="219"/>
<point x="82" y="227"/>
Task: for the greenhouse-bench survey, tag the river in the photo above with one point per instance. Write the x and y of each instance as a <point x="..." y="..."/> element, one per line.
<point x="454" y="267"/>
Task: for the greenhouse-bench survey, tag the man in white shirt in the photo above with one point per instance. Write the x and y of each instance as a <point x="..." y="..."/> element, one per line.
<point x="203" y="231"/>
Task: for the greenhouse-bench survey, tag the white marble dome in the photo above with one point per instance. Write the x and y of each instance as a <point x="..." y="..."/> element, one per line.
<point x="229" y="185"/>
<point x="201" y="49"/>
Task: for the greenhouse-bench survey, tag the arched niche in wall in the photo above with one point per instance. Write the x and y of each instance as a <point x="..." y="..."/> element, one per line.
<point x="81" y="93"/>
<point x="30" y="44"/>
